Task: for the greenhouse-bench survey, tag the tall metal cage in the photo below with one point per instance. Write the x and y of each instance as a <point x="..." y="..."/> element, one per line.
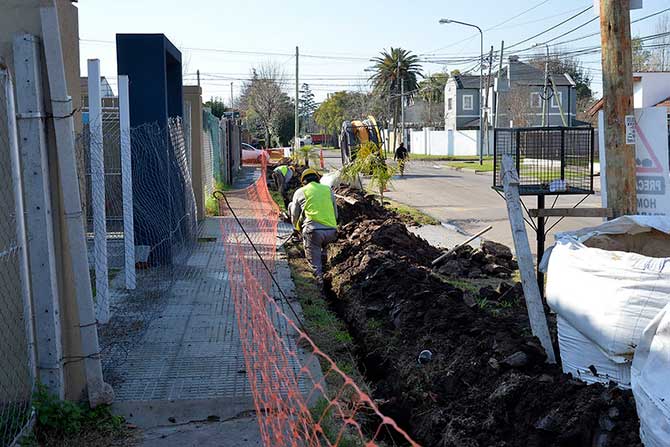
<point x="549" y="160"/>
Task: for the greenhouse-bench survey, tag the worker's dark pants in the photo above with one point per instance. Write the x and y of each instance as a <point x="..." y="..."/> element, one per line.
<point x="315" y="243"/>
<point x="282" y="186"/>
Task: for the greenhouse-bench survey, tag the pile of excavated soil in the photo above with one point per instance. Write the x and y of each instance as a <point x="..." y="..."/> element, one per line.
<point x="486" y="382"/>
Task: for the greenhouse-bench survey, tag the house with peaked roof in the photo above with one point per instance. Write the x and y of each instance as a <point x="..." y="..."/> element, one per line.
<point x="517" y="97"/>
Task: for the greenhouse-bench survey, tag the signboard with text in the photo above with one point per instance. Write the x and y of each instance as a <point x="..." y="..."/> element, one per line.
<point x="651" y="158"/>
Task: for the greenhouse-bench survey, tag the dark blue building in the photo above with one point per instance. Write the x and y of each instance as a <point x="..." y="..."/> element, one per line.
<point x="160" y="190"/>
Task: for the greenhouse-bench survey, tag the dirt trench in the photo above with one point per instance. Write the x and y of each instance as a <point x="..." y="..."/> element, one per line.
<point x="485" y="382"/>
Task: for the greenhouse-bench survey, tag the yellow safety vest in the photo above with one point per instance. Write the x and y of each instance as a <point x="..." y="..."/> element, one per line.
<point x="283" y="169"/>
<point x="319" y="204"/>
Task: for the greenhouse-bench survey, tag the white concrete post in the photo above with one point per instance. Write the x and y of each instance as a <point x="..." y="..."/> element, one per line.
<point x="601" y="158"/>
<point x="426" y="142"/>
<point x="127" y="183"/>
<point x="97" y="158"/>
<point x="37" y="207"/>
<point x="19" y="216"/>
<point x="531" y="290"/>
<point x="74" y="249"/>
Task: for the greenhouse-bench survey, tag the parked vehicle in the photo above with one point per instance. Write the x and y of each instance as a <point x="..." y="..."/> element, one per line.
<point x="252" y="155"/>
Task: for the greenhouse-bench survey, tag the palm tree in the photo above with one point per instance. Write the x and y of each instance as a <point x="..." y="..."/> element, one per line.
<point x="389" y="68"/>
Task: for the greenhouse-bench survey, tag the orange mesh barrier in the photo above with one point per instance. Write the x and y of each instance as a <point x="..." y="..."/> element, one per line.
<point x="301" y="397"/>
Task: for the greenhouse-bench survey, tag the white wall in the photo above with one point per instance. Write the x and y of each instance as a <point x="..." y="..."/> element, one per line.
<point x="655" y="87"/>
<point x="446" y="142"/>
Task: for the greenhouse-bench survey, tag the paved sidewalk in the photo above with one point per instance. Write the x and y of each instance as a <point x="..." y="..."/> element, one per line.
<point x="172" y="350"/>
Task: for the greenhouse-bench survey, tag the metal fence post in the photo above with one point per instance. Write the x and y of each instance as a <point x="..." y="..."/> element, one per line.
<point x="37" y="206"/>
<point x="127" y="183"/>
<point x="96" y="147"/>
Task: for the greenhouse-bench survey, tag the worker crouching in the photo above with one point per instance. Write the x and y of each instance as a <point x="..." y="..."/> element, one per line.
<point x="282" y="176"/>
<point x="314" y="212"/>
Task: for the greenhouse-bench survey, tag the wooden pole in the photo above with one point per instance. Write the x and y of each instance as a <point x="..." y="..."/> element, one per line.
<point x="531" y="290"/>
<point x="618" y="103"/>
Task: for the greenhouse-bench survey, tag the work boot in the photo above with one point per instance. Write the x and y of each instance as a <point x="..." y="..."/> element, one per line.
<point x="320" y="283"/>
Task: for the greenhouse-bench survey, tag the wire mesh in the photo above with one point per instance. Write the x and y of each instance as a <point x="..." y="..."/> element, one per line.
<point x="212" y="154"/>
<point x="549" y="160"/>
<point x="166" y="233"/>
<point x="16" y="378"/>
<point x="301" y="396"/>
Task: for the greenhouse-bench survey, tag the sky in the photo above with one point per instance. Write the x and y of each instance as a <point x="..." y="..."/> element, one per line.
<point x="225" y="39"/>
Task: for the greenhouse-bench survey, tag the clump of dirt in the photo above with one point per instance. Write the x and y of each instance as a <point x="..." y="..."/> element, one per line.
<point x="492" y="259"/>
<point x="487" y="382"/>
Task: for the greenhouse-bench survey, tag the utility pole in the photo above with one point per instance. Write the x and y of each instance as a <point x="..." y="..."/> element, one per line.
<point x="232" y="103"/>
<point x="618" y="104"/>
<point x="486" y="100"/>
<point x="395" y="110"/>
<point x="296" y="141"/>
<point x="481" y="106"/>
<point x="402" y="109"/>
<point x="545" y="92"/>
<point x="495" y="119"/>
<point x="198" y="74"/>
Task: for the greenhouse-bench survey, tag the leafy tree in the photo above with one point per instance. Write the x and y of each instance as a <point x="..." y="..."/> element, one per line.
<point x="265" y="103"/>
<point x="389" y="68"/>
<point x="370" y="162"/>
<point x="641" y="56"/>
<point x="217" y="106"/>
<point x="660" y="55"/>
<point x="431" y="90"/>
<point x="306" y="107"/>
<point x="331" y="112"/>
<point x="559" y="64"/>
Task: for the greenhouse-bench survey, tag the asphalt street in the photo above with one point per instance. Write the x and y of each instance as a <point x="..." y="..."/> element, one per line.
<point x="466" y="201"/>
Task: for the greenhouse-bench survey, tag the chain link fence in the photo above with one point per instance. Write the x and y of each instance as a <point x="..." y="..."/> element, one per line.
<point x="16" y="365"/>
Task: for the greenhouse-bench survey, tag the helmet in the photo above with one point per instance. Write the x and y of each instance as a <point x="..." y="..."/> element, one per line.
<point x="308" y="172"/>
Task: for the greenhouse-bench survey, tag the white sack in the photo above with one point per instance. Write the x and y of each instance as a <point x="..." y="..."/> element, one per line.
<point x="651" y="387"/>
<point x="608" y="296"/>
<point x="332" y="179"/>
<point x="585" y="361"/>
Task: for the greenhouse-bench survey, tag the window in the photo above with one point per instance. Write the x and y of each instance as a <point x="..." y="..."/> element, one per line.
<point x="535" y="100"/>
<point x="467" y="102"/>
<point x="555" y="100"/>
<point x="449" y="104"/>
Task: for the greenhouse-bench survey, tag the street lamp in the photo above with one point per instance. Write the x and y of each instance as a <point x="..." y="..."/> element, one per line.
<point x="545" y="94"/>
<point x="481" y="83"/>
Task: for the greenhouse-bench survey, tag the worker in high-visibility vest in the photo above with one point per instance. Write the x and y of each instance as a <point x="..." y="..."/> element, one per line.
<point x="314" y="212"/>
<point x="282" y="176"/>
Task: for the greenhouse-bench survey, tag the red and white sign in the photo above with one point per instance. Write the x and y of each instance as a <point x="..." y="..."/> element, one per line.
<point x="651" y="158"/>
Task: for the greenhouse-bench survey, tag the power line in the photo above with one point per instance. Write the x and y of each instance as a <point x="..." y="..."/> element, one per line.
<point x="251" y="53"/>
<point x="598" y="32"/>
<point x="488" y="29"/>
<point x="549" y="29"/>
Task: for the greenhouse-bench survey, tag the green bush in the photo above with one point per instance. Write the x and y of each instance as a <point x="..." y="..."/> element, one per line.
<point x="60" y="419"/>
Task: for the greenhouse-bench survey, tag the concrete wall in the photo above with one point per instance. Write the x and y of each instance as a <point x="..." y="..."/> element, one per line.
<point x="193" y="96"/>
<point x="446" y="142"/>
<point x="23" y="16"/>
<point x="450" y="99"/>
<point x="652" y="89"/>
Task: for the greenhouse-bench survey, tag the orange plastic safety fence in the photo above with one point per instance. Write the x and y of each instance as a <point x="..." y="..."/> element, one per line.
<point x="301" y="397"/>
